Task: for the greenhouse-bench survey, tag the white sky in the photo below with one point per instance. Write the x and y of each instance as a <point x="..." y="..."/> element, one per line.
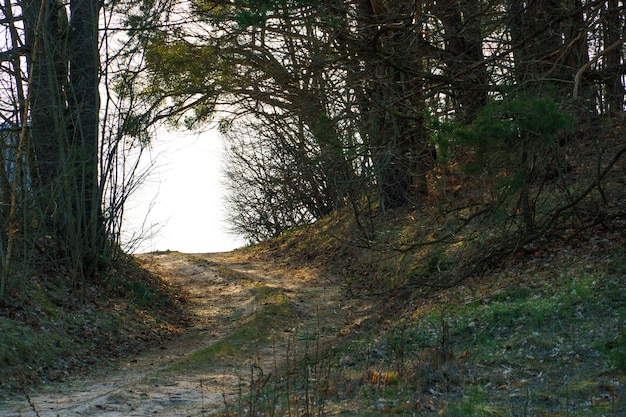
<point x="181" y="200"/>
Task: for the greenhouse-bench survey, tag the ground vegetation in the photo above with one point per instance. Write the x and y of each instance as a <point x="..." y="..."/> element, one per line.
<point x="457" y="168"/>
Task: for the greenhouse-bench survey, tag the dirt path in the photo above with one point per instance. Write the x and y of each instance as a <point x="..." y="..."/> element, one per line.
<point x="247" y="316"/>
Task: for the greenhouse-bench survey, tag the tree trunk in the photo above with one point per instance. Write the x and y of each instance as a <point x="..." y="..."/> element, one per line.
<point x="613" y="29"/>
<point x="537" y="40"/>
<point x="394" y="121"/>
<point x="464" y="55"/>
<point x="84" y="101"/>
<point x="64" y="127"/>
<point x="49" y="77"/>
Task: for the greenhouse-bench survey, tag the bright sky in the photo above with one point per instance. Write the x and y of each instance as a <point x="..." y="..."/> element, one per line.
<point x="181" y="200"/>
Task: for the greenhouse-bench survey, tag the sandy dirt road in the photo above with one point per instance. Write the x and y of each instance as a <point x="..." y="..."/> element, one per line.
<point x="171" y="380"/>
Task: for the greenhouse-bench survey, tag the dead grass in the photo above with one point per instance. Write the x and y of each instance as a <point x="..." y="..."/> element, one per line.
<point x="540" y="334"/>
<point x="50" y="330"/>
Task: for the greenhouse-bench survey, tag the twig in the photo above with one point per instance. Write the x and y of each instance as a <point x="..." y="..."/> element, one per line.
<point x="30" y="401"/>
<point x="588" y="65"/>
<point x="527" y="405"/>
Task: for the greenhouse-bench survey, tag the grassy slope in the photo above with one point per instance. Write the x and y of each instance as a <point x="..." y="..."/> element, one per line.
<point x="49" y="329"/>
<point x="542" y="335"/>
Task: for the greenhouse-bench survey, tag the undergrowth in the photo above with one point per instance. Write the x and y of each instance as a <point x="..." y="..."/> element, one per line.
<point x="49" y="329"/>
<point x="545" y="336"/>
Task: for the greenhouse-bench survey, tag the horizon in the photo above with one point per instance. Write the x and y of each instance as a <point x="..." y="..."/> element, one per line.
<point x="179" y="207"/>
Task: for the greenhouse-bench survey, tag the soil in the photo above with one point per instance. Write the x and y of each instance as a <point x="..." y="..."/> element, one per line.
<point x="221" y="290"/>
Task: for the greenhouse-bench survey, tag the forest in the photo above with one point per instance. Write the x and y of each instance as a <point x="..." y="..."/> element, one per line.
<point x="481" y="111"/>
<point x="442" y="137"/>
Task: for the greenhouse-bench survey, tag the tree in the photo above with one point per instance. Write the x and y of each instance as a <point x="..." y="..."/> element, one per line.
<point x="64" y="125"/>
<point x="59" y="158"/>
<point x="271" y="188"/>
<point x="462" y="54"/>
<point x="392" y="107"/>
<point x="271" y="63"/>
<point x="613" y="65"/>
<point x="364" y="102"/>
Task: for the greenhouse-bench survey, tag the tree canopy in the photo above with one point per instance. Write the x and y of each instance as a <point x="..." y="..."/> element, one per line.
<point x="479" y="110"/>
<point x="378" y="105"/>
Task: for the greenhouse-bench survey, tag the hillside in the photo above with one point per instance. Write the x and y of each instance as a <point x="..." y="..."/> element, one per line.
<point x="309" y="325"/>
<point x="541" y="334"/>
<point x="436" y="190"/>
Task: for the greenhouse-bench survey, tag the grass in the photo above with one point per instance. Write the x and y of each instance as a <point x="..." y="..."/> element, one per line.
<point x="272" y="314"/>
<point x="551" y="343"/>
<point x="227" y="272"/>
<point x="543" y="336"/>
<point x="48" y="330"/>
